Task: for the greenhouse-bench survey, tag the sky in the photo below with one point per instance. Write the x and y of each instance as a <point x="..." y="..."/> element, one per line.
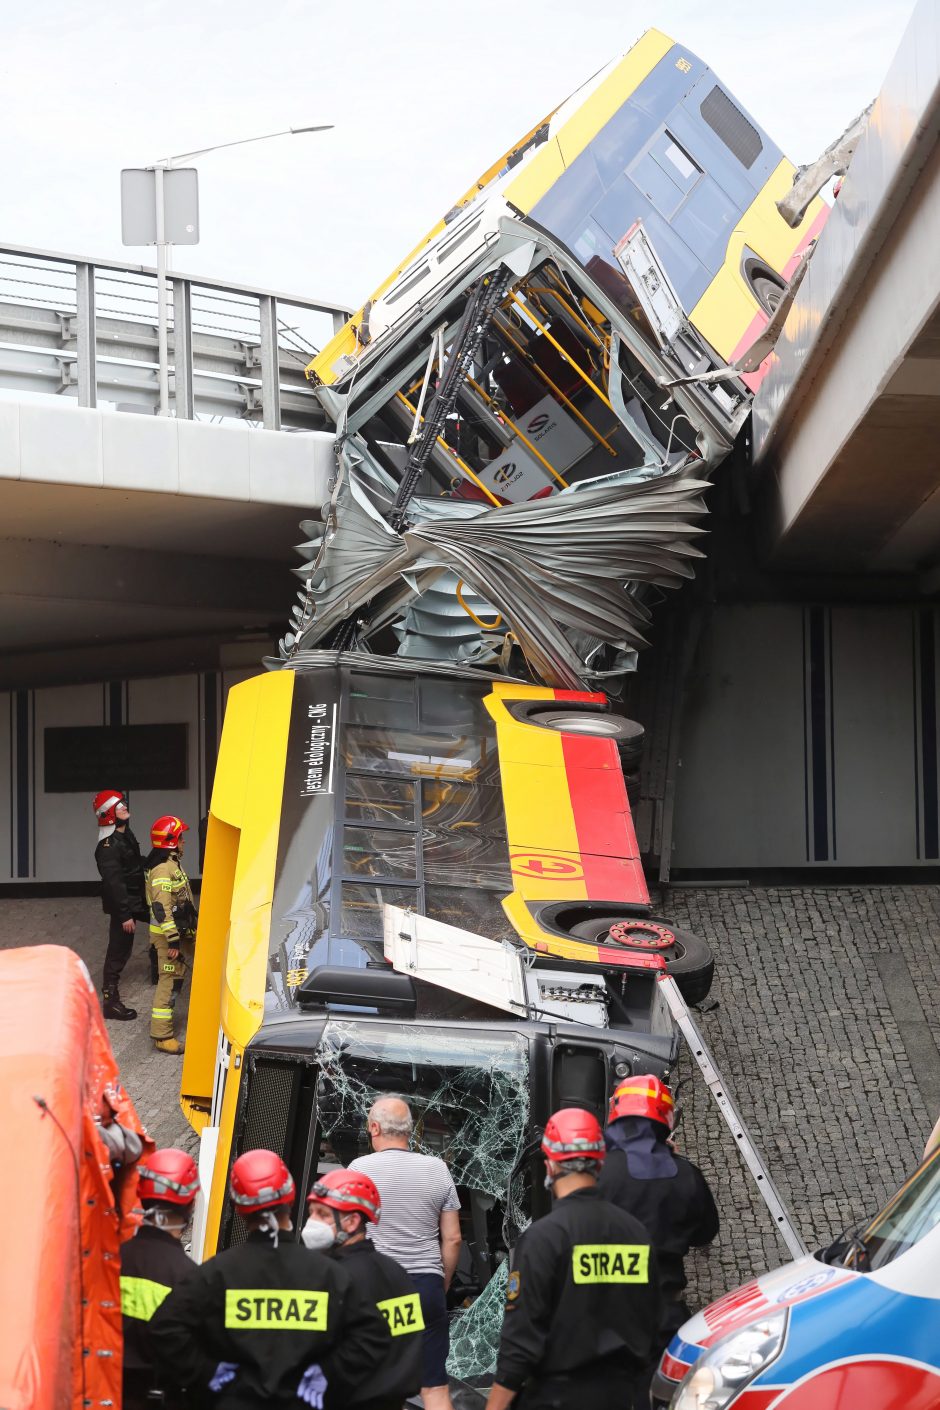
<point x="423" y="97"/>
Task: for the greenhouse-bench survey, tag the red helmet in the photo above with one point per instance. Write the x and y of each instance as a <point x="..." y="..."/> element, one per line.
<point x="573" y="1134"/>
<point x="105" y="805"/>
<point x="170" y="1176"/>
<point x="260" y="1180"/>
<point x="349" y="1192"/>
<point x="643" y="1096"/>
<point x="167" y="831"/>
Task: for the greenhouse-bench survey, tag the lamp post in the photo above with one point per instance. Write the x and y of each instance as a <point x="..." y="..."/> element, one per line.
<point x="155" y="226"/>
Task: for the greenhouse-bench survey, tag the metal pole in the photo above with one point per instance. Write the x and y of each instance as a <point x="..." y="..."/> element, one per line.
<point x="270" y="369"/>
<point x="184" y="392"/>
<point x="162" y="355"/>
<point x="85" y="349"/>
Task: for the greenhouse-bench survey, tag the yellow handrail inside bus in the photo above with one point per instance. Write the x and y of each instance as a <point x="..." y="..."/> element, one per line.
<point x="486" y="626"/>
<point x="533" y="363"/>
<point x="450" y="451"/>
<point x="527" y="313"/>
<point x="521" y="434"/>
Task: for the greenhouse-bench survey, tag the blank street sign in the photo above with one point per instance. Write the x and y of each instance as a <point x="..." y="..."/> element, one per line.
<point x="180" y="206"/>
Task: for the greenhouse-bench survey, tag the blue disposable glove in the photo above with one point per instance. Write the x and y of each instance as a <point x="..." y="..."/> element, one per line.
<point x="312" y="1387"/>
<point x="225" y="1372"/>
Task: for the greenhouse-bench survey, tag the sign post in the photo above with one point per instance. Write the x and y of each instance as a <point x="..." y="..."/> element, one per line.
<point x="160" y="206"/>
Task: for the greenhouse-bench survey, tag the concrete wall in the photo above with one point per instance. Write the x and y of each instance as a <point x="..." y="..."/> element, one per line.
<point x="50" y="837"/>
<point x="810" y="738"/>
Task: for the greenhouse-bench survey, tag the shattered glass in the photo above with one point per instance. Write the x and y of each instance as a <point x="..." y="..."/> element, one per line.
<point x="469" y="1095"/>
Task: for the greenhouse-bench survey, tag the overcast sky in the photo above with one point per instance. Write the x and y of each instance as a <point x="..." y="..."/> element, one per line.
<point x="424" y="96"/>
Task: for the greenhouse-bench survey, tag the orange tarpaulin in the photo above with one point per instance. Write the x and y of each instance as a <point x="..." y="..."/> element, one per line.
<point x="65" y="1209"/>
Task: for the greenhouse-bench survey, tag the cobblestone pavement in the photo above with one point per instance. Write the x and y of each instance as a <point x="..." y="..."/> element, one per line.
<point x="817" y="1059"/>
<point x="814" y="1057"/>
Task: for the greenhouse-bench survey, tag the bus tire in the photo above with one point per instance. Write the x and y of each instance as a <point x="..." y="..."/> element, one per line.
<point x="689" y="959"/>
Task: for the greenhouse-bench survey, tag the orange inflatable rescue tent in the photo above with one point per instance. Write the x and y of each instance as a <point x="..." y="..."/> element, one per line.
<point x="68" y="1187"/>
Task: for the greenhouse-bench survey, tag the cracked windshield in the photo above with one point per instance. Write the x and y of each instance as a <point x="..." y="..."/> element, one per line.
<point x="470" y="1100"/>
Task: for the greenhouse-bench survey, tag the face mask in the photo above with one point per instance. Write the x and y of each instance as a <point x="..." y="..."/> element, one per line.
<point x="318" y="1236"/>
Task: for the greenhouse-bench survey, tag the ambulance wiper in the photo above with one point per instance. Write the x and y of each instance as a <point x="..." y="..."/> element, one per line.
<point x="847" y="1244"/>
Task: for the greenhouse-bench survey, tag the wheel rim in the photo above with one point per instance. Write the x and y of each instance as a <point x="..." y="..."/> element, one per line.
<point x="641" y="935"/>
<point x="587" y="724"/>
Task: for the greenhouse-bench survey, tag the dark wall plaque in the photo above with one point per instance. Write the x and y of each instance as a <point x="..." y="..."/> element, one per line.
<point x="86" y="758"/>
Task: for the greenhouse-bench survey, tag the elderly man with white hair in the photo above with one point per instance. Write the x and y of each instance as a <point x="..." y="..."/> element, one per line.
<point x="419" y="1228"/>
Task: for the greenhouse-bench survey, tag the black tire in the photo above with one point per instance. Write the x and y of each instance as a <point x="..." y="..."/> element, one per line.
<point x="689" y="959"/>
<point x="767" y="292"/>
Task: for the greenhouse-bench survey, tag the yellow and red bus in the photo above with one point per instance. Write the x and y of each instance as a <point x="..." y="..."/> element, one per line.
<point x="654" y="139"/>
<point x="350" y="789"/>
<point x="572" y="324"/>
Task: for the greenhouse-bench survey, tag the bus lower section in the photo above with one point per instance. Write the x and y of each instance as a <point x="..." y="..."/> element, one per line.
<point x="422" y="880"/>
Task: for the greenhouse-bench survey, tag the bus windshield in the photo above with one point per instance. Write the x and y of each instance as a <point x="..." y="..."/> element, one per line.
<point x="469" y="1095"/>
<point x="908" y="1218"/>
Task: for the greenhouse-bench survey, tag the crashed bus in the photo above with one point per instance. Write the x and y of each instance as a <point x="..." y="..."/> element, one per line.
<point x="421" y="871"/>
<point x="421" y="880"/>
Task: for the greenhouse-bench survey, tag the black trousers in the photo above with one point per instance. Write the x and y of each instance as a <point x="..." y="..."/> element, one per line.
<point x="615" y="1391"/>
<point x="118" y="952"/>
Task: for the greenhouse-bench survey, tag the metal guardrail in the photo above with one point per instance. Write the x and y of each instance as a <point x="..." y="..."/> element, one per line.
<point x="87" y="329"/>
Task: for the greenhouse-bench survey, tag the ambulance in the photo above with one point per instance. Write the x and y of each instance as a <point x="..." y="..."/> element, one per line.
<point x="855" y="1326"/>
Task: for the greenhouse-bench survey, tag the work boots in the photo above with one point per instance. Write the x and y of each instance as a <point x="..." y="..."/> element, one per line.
<point x="168" y="1045"/>
<point x="113" y="1008"/>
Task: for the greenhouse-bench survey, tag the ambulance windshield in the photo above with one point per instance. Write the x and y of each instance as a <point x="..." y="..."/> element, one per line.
<point x="909" y="1217"/>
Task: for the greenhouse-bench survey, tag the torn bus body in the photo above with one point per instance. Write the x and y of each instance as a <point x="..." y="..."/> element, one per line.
<point x="526" y="413"/>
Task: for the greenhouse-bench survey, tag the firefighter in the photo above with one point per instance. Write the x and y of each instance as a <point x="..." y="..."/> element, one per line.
<point x="267" y="1322"/>
<point x="340" y="1205"/>
<point x="172" y="925"/>
<point x="152" y="1265"/>
<point x="666" y="1192"/>
<point x="118" y="859"/>
<point x="582" y="1299"/>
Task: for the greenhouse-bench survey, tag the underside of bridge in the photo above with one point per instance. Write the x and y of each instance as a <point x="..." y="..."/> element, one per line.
<point x="134" y="546"/>
<point x="847" y="424"/>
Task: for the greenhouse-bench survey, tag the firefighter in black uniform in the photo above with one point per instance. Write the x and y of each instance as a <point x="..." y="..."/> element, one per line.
<point x="582" y="1301"/>
<point x="266" y="1323"/>
<point x="121" y="868"/>
<point x="152" y="1265"/>
<point x="340" y="1205"/>
<point x="666" y="1192"/>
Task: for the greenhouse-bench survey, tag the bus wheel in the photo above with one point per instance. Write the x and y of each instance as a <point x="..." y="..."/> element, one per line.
<point x="767" y="292"/>
<point x="689" y="959"/>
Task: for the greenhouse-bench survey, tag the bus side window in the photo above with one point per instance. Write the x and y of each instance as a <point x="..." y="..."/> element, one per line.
<point x="579" y="1078"/>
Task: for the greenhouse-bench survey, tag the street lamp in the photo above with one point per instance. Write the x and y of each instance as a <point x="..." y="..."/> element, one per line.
<point x="144" y="192"/>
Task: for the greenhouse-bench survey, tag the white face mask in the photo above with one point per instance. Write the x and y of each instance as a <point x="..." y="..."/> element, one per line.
<point x="318" y="1236"/>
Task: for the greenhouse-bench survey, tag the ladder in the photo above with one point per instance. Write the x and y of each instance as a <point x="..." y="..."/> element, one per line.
<point x="682" y="1014"/>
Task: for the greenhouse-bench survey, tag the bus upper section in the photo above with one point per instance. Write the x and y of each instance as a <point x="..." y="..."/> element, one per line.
<point x="530" y="408"/>
<point x="654" y="136"/>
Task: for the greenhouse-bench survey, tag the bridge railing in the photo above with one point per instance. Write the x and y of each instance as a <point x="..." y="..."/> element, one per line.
<point x="87" y="329"/>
